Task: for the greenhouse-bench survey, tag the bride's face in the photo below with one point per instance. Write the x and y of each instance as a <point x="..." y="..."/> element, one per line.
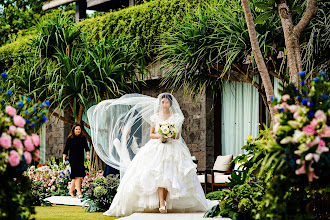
<point x="166" y="104"/>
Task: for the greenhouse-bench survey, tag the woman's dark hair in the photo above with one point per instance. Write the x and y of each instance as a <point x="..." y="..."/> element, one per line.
<point x="72" y="135"/>
<point x="167" y="96"/>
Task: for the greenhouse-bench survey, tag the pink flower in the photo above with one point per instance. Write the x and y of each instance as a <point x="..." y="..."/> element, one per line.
<point x="322" y="147"/>
<point x="5" y="143"/>
<point x="28" y="157"/>
<point x="314" y="123"/>
<point x="11" y="130"/>
<point x="35" y="139"/>
<point x="285" y="97"/>
<point x="14" y="158"/>
<point x="314" y="142"/>
<point x="320" y="116"/>
<point x="309" y="130"/>
<point x="17" y="143"/>
<point x="19" y="121"/>
<point x="301" y="170"/>
<point x="325" y="132"/>
<point x="10" y="110"/>
<point x="311" y="175"/>
<point x="293" y="108"/>
<point x="36" y="155"/>
<point x="28" y="144"/>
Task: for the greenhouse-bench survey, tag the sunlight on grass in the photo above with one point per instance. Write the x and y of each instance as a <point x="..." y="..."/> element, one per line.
<point x="67" y="212"/>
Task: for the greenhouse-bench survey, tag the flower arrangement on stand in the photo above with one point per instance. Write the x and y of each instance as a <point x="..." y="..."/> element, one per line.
<point x="20" y="120"/>
<point x="301" y="145"/>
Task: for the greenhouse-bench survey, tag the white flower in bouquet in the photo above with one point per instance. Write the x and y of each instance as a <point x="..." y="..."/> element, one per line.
<point x="167" y="130"/>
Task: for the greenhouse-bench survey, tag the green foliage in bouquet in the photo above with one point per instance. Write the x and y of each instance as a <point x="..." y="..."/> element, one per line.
<point x="100" y="193"/>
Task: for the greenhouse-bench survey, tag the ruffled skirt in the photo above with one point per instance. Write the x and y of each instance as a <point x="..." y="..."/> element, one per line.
<point x="159" y="165"/>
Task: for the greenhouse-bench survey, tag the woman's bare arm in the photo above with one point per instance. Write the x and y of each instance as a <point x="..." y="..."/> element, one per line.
<point x="153" y="135"/>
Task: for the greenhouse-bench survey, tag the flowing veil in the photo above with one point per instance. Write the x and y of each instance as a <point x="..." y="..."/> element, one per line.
<point x="119" y="127"/>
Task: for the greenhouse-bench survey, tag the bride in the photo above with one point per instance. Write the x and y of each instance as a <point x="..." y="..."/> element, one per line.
<point x="161" y="176"/>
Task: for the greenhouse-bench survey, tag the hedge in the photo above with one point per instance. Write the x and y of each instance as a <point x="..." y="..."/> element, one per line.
<point x="145" y="22"/>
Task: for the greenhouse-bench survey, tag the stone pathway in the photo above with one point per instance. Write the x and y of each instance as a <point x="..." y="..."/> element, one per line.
<point x="68" y="200"/>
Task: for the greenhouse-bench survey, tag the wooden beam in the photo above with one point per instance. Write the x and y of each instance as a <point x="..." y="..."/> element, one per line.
<point x="55" y="3"/>
<point x="81" y="7"/>
<point x="93" y="3"/>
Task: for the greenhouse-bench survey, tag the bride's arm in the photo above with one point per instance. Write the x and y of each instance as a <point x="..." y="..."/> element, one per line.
<point x="153" y="135"/>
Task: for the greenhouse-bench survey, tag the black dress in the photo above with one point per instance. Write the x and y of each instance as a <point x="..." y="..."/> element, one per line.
<point x="75" y="146"/>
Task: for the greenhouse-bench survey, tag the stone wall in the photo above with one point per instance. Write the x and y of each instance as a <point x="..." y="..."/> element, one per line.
<point x="56" y="133"/>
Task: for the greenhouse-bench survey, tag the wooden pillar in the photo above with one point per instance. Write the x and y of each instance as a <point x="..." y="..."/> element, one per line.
<point x="81" y="7"/>
<point x="131" y="2"/>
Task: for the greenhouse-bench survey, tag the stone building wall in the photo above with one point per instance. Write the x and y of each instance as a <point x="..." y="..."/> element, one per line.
<point x="56" y="133"/>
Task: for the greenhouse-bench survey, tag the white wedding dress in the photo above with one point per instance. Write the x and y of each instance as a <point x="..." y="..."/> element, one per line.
<point x="158" y="164"/>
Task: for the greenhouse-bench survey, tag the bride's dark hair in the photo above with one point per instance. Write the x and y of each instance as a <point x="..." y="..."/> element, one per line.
<point x="167" y="96"/>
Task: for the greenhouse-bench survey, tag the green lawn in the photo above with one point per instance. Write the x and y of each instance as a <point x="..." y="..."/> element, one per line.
<point x="67" y="212"/>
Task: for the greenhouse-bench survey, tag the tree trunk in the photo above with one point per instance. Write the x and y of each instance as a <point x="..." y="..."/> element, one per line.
<point x="292" y="35"/>
<point x="258" y="56"/>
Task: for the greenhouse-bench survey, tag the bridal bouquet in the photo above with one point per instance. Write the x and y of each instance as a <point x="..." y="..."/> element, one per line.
<point x="167" y="130"/>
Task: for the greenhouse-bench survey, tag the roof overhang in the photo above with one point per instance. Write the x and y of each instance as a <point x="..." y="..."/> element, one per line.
<point x="55" y="3"/>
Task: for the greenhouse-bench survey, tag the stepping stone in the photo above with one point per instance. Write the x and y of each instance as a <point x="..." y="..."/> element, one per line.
<point x="65" y="200"/>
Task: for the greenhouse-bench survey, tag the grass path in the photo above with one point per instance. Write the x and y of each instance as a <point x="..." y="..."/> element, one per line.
<point x="67" y="212"/>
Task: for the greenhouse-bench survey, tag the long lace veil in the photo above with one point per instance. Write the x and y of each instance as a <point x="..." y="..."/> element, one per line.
<point x="119" y="127"/>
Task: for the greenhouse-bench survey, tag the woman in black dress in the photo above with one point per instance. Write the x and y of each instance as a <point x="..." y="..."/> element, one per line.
<point x="75" y="145"/>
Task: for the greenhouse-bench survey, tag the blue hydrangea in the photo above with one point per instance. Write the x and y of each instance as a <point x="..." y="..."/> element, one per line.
<point x="28" y="98"/>
<point x="27" y="121"/>
<point x="303" y="83"/>
<point x="33" y="125"/>
<point x="311" y="114"/>
<point x="20" y="103"/>
<point x="34" y="109"/>
<point x="322" y="73"/>
<point x="304" y="101"/>
<point x="9" y="93"/>
<point x="281" y="109"/>
<point x="272" y="98"/>
<point x="299" y="98"/>
<point x="4" y="75"/>
<point x="1" y="89"/>
<point x="316" y="79"/>
<point x="44" y="119"/>
<point x="35" y="117"/>
<point x="3" y="101"/>
<point x="311" y="104"/>
<point x="47" y="103"/>
<point x="302" y="73"/>
<point x="41" y="105"/>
